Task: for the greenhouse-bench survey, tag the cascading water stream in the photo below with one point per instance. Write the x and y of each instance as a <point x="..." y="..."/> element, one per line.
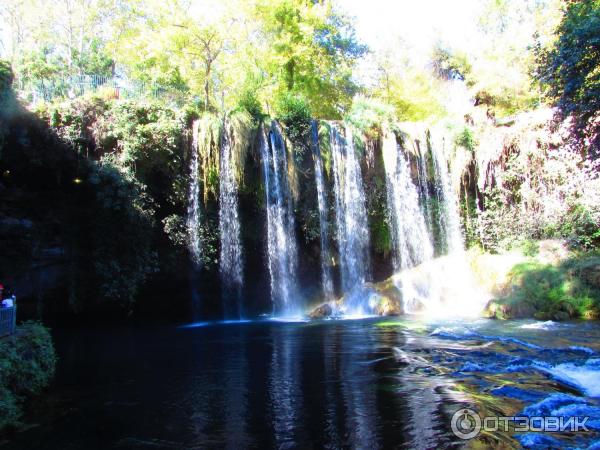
<point x="282" y="248"/>
<point x="351" y="219"/>
<point x="449" y="219"/>
<point x="193" y="212"/>
<point x="424" y="193"/>
<point x="410" y="240"/>
<point x="326" y="271"/>
<point x="193" y="222"/>
<point x="231" y="259"/>
<point x="422" y="287"/>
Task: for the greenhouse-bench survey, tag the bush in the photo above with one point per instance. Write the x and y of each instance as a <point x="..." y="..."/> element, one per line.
<point x="568" y="71"/>
<point x="294" y="112"/>
<point x="122" y="232"/>
<point x="581" y="229"/>
<point x="6" y="78"/>
<point x="27" y="364"/>
<point x="557" y="292"/>
<point x="250" y="104"/>
<point x="466" y="139"/>
<point x="368" y="114"/>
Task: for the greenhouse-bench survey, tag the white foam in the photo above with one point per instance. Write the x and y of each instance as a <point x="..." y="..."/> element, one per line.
<point x="289" y="319"/>
<point x="548" y="325"/>
<point x="585" y="377"/>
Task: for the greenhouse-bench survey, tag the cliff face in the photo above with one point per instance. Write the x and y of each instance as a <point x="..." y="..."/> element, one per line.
<point x="522" y="180"/>
<point x="95" y="198"/>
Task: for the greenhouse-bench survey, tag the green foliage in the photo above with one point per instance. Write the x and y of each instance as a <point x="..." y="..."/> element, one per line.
<point x="6" y="94"/>
<point x="6" y="78"/>
<point x="147" y="137"/>
<point x="311" y="51"/>
<point x="209" y="130"/>
<point x="240" y="128"/>
<point x="368" y="114"/>
<point x="379" y="228"/>
<point x="324" y="133"/>
<point x="466" y="139"/>
<point x="534" y="189"/>
<point x="554" y="292"/>
<point x="175" y="228"/>
<point x="450" y="65"/>
<point x="294" y="112"/>
<point x="250" y="103"/>
<point x="122" y="229"/>
<point x="27" y="364"/>
<point x="413" y="93"/>
<point x="530" y="247"/>
<point x="569" y="70"/>
<point x="581" y="229"/>
<point x="381" y="238"/>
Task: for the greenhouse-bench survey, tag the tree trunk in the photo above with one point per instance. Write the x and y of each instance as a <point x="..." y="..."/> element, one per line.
<point x="207" y="85"/>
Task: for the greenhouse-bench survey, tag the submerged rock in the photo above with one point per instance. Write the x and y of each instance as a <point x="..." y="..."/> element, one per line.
<point x="505" y="311"/>
<point x="388" y="301"/>
<point x="388" y="307"/>
<point x="321" y="312"/>
<point x="522" y="310"/>
<point x="592" y="314"/>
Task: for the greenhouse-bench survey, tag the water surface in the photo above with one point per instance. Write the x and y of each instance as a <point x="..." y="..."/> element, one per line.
<point x="371" y="383"/>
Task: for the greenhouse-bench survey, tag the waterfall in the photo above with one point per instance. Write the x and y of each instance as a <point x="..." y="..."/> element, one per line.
<point x="441" y="286"/>
<point x="424" y="192"/>
<point x="231" y="265"/>
<point x="448" y="215"/>
<point x="326" y="272"/>
<point x="193" y="212"/>
<point x="351" y="217"/>
<point x="410" y="240"/>
<point x="282" y="249"/>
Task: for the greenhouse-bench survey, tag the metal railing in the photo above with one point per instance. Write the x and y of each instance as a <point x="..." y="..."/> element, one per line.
<point x="78" y="85"/>
<point x="8" y="321"/>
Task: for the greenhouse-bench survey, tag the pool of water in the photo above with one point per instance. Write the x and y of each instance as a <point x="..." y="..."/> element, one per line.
<point x="369" y="383"/>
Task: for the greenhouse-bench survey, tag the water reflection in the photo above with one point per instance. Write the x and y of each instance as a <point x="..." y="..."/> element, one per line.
<point x="284" y="386"/>
<point x="346" y="384"/>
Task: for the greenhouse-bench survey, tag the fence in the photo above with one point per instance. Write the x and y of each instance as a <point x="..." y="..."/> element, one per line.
<point x="8" y="321"/>
<point x="46" y="90"/>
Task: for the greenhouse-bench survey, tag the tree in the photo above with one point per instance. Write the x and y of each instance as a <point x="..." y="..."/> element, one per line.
<point x="310" y="50"/>
<point x="569" y="70"/>
<point x="413" y="92"/>
<point x="68" y="34"/>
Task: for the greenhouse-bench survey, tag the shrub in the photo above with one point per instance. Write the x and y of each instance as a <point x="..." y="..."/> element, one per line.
<point x="27" y="364"/>
<point x="122" y="230"/>
<point x="6" y="77"/>
<point x="368" y="114"/>
<point x="555" y="292"/>
<point x="294" y="112"/>
<point x="466" y="139"/>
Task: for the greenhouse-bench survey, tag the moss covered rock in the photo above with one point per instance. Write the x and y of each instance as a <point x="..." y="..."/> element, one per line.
<point x="549" y="288"/>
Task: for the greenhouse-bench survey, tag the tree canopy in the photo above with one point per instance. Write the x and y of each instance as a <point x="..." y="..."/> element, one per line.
<point x="569" y="70"/>
<point x="266" y="55"/>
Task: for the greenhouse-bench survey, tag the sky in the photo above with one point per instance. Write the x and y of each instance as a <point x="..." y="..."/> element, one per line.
<point x="419" y="23"/>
